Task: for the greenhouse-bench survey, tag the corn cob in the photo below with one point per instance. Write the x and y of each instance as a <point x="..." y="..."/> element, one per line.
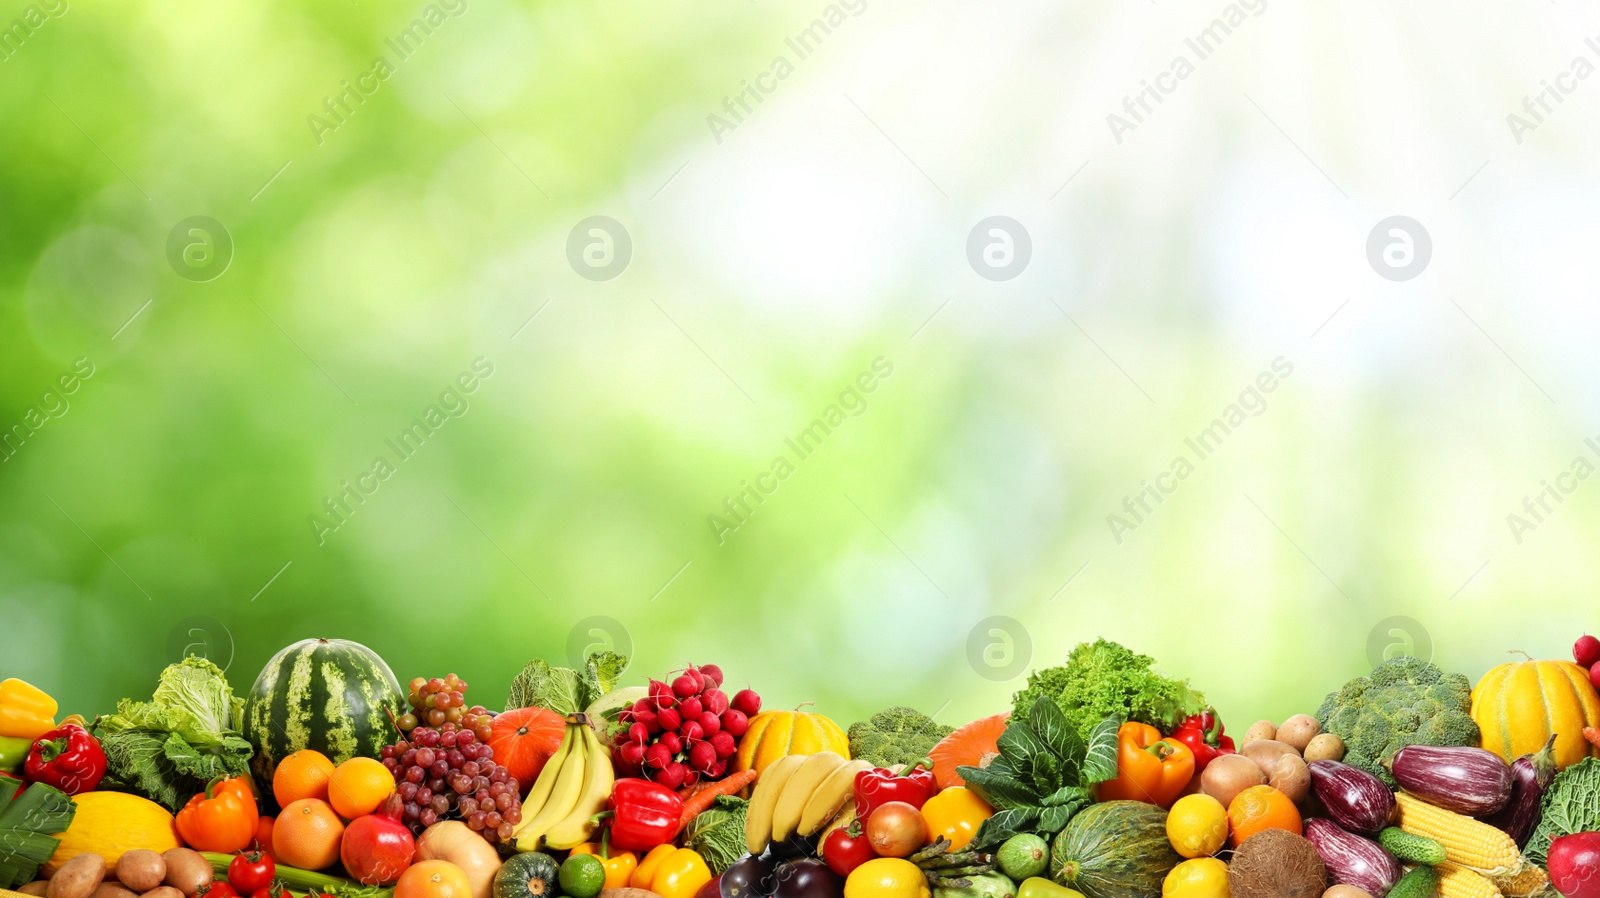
<point x="1459" y="882"/>
<point x="1467" y="842"/>
<point x="1530" y="882"/>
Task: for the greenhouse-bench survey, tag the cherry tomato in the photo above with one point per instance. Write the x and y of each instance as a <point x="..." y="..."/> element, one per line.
<point x="272" y="891"/>
<point x="843" y="852"/>
<point x="250" y="872"/>
<point x="217" y="889"/>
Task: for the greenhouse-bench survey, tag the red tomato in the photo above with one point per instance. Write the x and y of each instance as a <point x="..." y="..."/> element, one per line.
<point x="843" y="852"/>
<point x="250" y="873"/>
<point x="217" y="889"/>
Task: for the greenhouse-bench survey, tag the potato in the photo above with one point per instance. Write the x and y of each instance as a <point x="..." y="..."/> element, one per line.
<point x="37" y="889"/>
<point x="163" y="892"/>
<point x="141" y="869"/>
<point x="1266" y="752"/>
<point x="187" y="871"/>
<point x="109" y="889"/>
<point x="1298" y="731"/>
<point x="1228" y="775"/>
<point x="79" y="877"/>
<point x="1345" y="892"/>
<point x="1325" y="747"/>
<point x="1261" y="729"/>
<point x="1292" y="777"/>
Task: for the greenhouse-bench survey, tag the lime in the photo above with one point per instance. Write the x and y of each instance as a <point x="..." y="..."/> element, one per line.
<point x="582" y="876"/>
<point x="1023" y="855"/>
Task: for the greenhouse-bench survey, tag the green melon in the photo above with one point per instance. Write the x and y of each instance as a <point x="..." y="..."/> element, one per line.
<point x="1114" y="849"/>
<point x="331" y="695"/>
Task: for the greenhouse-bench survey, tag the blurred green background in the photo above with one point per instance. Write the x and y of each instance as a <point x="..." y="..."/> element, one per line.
<point x="165" y="503"/>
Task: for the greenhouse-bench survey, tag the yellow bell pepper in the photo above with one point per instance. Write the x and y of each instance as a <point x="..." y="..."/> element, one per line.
<point x="955" y="813"/>
<point x="645" y="872"/>
<point x="25" y="711"/>
<point x="677" y="874"/>
<point x="619" y="865"/>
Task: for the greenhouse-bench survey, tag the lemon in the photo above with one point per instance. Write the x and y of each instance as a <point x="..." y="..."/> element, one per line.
<point x="1197" y="826"/>
<point x="886" y="877"/>
<point x="1204" y="877"/>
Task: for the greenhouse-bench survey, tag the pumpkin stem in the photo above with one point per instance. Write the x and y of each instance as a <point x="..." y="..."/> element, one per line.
<point x="802" y="705"/>
<point x="1520" y="652"/>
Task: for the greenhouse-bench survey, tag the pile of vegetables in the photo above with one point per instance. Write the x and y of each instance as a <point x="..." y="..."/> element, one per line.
<point x="1106" y="778"/>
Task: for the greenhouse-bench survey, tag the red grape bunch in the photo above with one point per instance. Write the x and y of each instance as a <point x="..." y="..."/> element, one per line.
<point x="686" y="730"/>
<point x="450" y="773"/>
<point x="437" y="702"/>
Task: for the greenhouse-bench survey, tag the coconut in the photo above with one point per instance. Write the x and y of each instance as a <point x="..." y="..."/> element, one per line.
<point x="1276" y="863"/>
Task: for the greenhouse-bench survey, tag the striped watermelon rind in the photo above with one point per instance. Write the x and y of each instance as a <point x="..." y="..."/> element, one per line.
<point x="332" y="695"/>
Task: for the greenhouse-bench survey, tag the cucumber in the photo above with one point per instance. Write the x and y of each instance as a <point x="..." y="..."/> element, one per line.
<point x="1410" y="848"/>
<point x="1421" y="882"/>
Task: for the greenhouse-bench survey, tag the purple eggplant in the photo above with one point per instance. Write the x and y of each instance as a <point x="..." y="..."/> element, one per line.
<point x="1530" y="776"/>
<point x="1355" y="799"/>
<point x="1468" y="781"/>
<point x="1351" y="859"/>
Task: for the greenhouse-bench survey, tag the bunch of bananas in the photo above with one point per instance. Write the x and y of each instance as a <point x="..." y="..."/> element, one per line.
<point x="801" y="794"/>
<point x="571" y="789"/>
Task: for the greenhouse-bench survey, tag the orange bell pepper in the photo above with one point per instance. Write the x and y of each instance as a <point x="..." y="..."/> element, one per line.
<point x="223" y="818"/>
<point x="645" y="873"/>
<point x="955" y="813"/>
<point x="619" y="865"/>
<point x="1149" y="768"/>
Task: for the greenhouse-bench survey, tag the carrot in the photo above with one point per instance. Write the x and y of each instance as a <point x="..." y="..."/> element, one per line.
<point x="697" y="803"/>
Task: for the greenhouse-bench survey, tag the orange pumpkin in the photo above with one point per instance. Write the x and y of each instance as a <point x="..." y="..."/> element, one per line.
<point x="1520" y="705"/>
<point x="973" y="745"/>
<point x="773" y="734"/>
<point x="524" y="739"/>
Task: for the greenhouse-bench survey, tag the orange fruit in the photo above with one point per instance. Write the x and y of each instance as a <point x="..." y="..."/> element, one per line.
<point x="433" y="879"/>
<point x="1258" y="808"/>
<point x="307" y="834"/>
<point x="304" y="774"/>
<point x="358" y="786"/>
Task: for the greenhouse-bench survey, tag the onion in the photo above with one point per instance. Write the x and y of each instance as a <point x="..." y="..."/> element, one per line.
<point x="896" y="829"/>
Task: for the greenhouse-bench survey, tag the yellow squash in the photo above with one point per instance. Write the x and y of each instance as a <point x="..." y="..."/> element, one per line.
<point x="110" y="823"/>
<point x="773" y="734"/>
<point x="1519" y="705"/>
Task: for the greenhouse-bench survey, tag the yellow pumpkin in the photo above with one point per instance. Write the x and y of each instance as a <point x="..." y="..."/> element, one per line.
<point x="1520" y="705"/>
<point x="110" y="823"/>
<point x="773" y="734"/>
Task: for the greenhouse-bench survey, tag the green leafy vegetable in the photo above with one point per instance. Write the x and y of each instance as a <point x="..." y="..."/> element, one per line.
<point x="26" y="823"/>
<point x="897" y="735"/>
<point x="562" y="689"/>
<point x="1570" y="805"/>
<point x="1104" y="679"/>
<point x="169" y="748"/>
<point x="1045" y="773"/>
<point x="717" y="833"/>
<point x="1404" y="701"/>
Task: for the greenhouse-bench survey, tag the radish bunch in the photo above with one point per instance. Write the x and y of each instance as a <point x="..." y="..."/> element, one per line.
<point x="686" y="730"/>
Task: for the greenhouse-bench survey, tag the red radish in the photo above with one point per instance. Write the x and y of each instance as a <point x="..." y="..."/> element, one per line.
<point x="1594" y="675"/>
<point x="715" y="701"/>
<point x="658" y="756"/>
<point x="691" y="732"/>
<point x="673" y="775"/>
<point x="632" y="753"/>
<point x="684" y="686"/>
<point x="747" y="702"/>
<point x="723" y="744"/>
<point x="702" y="757"/>
<point x="693" y="673"/>
<point x="668" y="718"/>
<point x="1586" y="651"/>
<point x="712" y="673"/>
<point x="734" y="722"/>
<point x="672" y="742"/>
<point x="710" y="724"/>
<point x="377" y="848"/>
<point x="690" y="708"/>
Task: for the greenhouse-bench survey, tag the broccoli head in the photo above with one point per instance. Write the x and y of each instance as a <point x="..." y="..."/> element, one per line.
<point x="895" y="735"/>
<point x="1404" y="701"/>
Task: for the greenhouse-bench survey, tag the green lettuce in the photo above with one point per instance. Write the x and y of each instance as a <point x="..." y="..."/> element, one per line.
<point x="717" y="833"/>
<point x="170" y="748"/>
<point x="562" y="689"/>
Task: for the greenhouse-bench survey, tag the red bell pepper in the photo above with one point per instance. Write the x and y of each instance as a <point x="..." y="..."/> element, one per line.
<point x="877" y="786"/>
<point x="643" y="814"/>
<point x="1203" y="735"/>
<point x="68" y="758"/>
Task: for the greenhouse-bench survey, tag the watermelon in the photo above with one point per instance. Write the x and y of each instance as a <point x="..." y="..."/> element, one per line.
<point x="331" y="695"/>
<point x="1115" y="849"/>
